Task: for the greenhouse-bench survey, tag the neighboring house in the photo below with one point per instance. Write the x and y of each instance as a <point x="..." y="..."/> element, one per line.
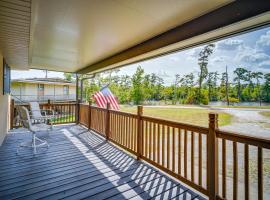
<point x="42" y="89"/>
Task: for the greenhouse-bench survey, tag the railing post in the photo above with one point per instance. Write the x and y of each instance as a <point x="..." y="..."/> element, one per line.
<point x="212" y="157"/>
<point x="89" y="115"/>
<point x="107" y="129"/>
<point x="49" y="104"/>
<point x="139" y="131"/>
<point x="12" y="105"/>
<point x="77" y="111"/>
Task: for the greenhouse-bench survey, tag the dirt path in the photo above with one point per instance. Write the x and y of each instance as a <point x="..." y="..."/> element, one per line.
<point x="248" y="121"/>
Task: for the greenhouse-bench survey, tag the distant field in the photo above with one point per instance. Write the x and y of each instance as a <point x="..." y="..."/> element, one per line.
<point x="191" y="115"/>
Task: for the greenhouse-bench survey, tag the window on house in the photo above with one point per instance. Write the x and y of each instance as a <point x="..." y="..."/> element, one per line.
<point x="6" y="78"/>
<point x="66" y="90"/>
<point x="40" y="89"/>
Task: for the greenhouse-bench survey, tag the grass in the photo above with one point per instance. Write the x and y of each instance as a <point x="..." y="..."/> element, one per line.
<point x="266" y="114"/>
<point x="191" y="115"/>
<point x="68" y="118"/>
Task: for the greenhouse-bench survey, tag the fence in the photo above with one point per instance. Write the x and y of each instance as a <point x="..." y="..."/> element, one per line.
<point x="63" y="112"/>
<point x="195" y="155"/>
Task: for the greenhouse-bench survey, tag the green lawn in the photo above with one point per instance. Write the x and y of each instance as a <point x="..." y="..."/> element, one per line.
<point x="184" y="115"/>
<point x="266" y="114"/>
<point x="68" y="118"/>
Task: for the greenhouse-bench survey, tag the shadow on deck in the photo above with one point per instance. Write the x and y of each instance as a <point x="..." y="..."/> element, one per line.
<point x="80" y="165"/>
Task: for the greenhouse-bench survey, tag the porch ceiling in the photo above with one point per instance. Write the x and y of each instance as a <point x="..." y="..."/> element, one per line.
<point x="88" y="36"/>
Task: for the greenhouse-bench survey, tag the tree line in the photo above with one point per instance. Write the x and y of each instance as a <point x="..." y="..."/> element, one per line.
<point x="191" y="88"/>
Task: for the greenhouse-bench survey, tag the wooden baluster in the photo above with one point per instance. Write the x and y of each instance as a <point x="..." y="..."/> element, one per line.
<point x="133" y="130"/>
<point x="163" y="145"/>
<point x="154" y="142"/>
<point x="185" y="154"/>
<point x="128" y="132"/>
<point x="235" y="171"/>
<point x="192" y="156"/>
<point x="150" y="140"/>
<point x="146" y="139"/>
<point x="158" y="144"/>
<point x="89" y="115"/>
<point x="224" y="174"/>
<point x="179" y="151"/>
<point x="260" y="173"/>
<point x="246" y="172"/>
<point x="173" y="149"/>
<point x="200" y="158"/>
<point x="139" y="131"/>
<point x="168" y="147"/>
<point x="107" y="124"/>
<point x="212" y="166"/>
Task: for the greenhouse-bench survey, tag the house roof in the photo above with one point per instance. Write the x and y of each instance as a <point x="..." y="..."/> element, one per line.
<point x="48" y="81"/>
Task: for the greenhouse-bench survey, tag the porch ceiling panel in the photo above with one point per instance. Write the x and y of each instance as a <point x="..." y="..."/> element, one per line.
<point x="15" y="18"/>
<point x="69" y="35"/>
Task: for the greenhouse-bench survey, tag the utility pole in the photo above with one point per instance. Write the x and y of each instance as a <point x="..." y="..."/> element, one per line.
<point x="227" y="87"/>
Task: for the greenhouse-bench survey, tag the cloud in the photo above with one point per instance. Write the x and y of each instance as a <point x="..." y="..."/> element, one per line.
<point x="163" y="74"/>
<point x="193" y="54"/>
<point x="218" y="59"/>
<point x="264" y="40"/>
<point x="265" y="64"/>
<point x="229" y="44"/>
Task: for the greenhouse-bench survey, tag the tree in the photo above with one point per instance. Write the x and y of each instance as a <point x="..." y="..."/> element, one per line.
<point x="177" y="81"/>
<point x="258" y="76"/>
<point x="240" y="75"/>
<point x="69" y="76"/>
<point x="267" y="87"/>
<point x="203" y="62"/>
<point x="137" y="93"/>
<point x="248" y="77"/>
<point x="226" y="78"/>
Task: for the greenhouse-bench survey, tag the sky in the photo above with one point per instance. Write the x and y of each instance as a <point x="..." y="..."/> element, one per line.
<point x="250" y="50"/>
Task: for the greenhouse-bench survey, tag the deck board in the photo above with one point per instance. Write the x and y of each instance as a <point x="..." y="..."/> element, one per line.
<point x="80" y="165"/>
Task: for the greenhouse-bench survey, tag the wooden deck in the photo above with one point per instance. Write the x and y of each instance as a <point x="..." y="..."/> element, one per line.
<point x="80" y="165"/>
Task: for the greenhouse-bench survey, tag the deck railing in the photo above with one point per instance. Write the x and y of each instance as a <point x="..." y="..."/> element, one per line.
<point x="63" y="112"/>
<point x="198" y="156"/>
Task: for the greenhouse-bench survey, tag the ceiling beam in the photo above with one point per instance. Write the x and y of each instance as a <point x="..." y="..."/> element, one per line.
<point x="229" y="14"/>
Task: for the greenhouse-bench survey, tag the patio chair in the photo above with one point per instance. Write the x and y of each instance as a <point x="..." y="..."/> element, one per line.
<point x="33" y="128"/>
<point x="41" y="116"/>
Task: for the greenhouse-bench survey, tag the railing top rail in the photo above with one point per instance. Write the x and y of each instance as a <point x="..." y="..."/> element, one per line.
<point x="237" y="137"/>
<point x="199" y="129"/>
<point x="123" y="113"/>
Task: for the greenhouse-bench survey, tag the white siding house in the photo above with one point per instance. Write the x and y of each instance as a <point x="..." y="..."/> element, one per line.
<point x="42" y="89"/>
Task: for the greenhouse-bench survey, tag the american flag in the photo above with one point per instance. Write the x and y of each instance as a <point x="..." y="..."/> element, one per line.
<point x="105" y="96"/>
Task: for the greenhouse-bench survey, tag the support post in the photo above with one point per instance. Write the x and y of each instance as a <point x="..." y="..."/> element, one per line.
<point x="139" y="131"/>
<point x="77" y="112"/>
<point x="49" y="104"/>
<point x="107" y="130"/>
<point x="89" y="115"/>
<point x="12" y="105"/>
<point x="212" y="157"/>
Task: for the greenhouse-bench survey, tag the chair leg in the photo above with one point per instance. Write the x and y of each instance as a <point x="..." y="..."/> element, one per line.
<point x="34" y="143"/>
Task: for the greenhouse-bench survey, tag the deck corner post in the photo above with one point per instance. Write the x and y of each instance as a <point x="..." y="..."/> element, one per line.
<point x="12" y="113"/>
<point x="107" y="130"/>
<point x="212" y="157"/>
<point x="139" y="132"/>
<point x="77" y="111"/>
<point x="89" y="115"/>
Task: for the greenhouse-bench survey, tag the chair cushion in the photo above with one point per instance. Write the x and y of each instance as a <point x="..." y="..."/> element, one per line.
<point x="35" y="110"/>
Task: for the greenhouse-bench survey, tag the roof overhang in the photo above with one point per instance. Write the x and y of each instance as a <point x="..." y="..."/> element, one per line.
<point x="90" y="36"/>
